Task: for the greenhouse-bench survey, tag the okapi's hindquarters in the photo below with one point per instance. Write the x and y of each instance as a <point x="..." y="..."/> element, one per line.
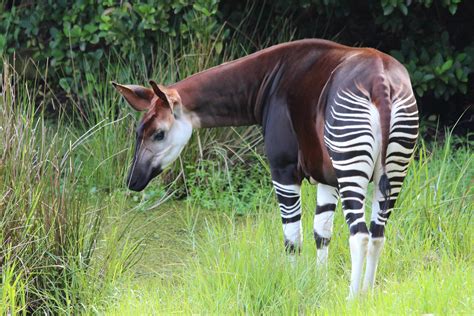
<point x="354" y="138"/>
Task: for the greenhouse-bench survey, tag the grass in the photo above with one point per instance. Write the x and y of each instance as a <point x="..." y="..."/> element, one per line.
<point x="62" y="180"/>
<point x="73" y="240"/>
<point x="50" y="224"/>
<point x="233" y="264"/>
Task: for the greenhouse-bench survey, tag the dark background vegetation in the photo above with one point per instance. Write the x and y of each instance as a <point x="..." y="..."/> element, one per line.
<point x="432" y="38"/>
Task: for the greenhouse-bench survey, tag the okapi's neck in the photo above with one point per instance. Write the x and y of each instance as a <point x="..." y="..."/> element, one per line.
<point x="237" y="93"/>
<point x="232" y="94"/>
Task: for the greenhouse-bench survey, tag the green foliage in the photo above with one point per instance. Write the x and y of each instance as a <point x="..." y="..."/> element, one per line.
<point x="403" y="5"/>
<point x="50" y="226"/>
<point x="238" y="189"/>
<point x="431" y="38"/>
<point x="75" y="37"/>
<point x="436" y="66"/>
<point x="437" y="69"/>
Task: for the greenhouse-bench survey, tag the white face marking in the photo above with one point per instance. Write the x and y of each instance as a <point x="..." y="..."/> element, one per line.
<point x="166" y="151"/>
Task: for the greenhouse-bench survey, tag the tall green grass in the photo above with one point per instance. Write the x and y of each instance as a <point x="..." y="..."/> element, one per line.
<point x="62" y="178"/>
<point x="236" y="265"/>
<point x="50" y="224"/>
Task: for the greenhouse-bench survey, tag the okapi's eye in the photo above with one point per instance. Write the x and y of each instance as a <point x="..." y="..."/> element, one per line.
<point x="159" y="136"/>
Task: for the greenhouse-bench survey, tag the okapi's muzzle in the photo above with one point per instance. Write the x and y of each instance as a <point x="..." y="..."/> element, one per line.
<point x="139" y="177"/>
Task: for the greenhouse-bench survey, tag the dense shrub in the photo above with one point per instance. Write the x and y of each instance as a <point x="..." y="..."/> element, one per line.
<point x="75" y="36"/>
<point x="433" y="38"/>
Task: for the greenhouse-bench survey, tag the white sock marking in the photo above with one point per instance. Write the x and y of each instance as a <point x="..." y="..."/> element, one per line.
<point x="358" y="245"/>
<point x="373" y="254"/>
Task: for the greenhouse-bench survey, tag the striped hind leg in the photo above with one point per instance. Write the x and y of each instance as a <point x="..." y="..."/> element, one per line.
<point x="350" y="138"/>
<point x="326" y="202"/>
<point x="353" y="195"/>
<point x="382" y="206"/>
<point x="353" y="170"/>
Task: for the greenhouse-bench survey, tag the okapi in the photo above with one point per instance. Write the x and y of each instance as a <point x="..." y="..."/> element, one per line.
<point x="332" y="114"/>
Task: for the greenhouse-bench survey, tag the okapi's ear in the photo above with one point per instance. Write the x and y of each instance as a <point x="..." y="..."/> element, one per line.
<point x="137" y="96"/>
<point x="169" y="96"/>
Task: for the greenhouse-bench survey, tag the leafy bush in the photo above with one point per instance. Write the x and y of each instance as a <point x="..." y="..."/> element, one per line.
<point x="436" y="65"/>
<point x="431" y="37"/>
<point x="75" y="38"/>
<point x="217" y="186"/>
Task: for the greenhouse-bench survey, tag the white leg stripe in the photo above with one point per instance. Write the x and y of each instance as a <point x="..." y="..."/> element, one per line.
<point x="292" y="232"/>
<point x="289" y="188"/>
<point x="323" y="224"/>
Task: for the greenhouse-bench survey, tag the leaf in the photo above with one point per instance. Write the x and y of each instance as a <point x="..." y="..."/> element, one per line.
<point x="105" y="18"/>
<point x="446" y="66"/>
<point x="428" y="77"/>
<point x="459" y="73"/>
<point x="64" y="83"/>
<point x="466" y="72"/>
<point x="75" y="31"/>
<point x="453" y="8"/>
<point x="95" y="39"/>
<point x="417" y="76"/>
<point x="403" y="8"/>
<point x="218" y="47"/>
<point x="419" y="91"/>
<point x="388" y="10"/>
<point x="438" y="59"/>
<point x="91" y="28"/>
<point x="460" y="57"/>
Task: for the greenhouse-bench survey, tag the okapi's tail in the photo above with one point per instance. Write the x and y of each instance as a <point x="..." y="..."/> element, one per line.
<point x="384" y="187"/>
<point x="381" y="93"/>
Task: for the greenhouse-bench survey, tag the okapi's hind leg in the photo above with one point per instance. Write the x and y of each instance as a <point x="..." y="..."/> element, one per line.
<point x="387" y="186"/>
<point x="353" y="172"/>
<point x="381" y="208"/>
<point x="353" y="204"/>
<point x="350" y="140"/>
<point x="326" y="202"/>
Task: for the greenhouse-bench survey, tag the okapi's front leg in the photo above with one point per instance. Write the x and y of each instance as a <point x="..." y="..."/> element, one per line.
<point x="289" y="200"/>
<point x="281" y="148"/>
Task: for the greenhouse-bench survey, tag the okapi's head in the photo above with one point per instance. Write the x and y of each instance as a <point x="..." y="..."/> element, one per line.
<point x="161" y="134"/>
